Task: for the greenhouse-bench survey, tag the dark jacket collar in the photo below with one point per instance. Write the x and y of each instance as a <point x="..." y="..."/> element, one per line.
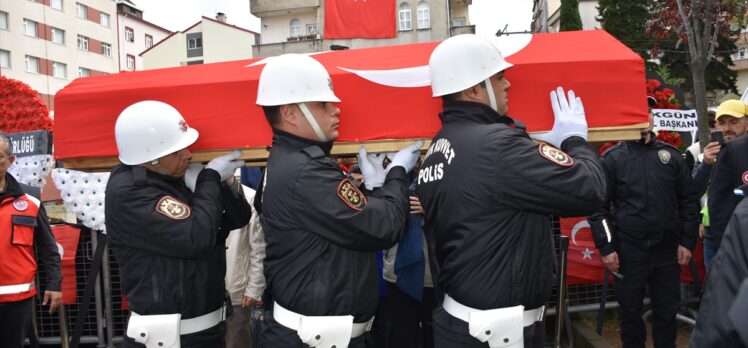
<point x="12" y="188"/>
<point x="455" y="111"/>
<point x="287" y="139"/>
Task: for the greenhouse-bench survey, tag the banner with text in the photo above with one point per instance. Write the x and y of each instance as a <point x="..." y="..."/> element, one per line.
<point x="675" y="120"/>
<point x="31" y="143"/>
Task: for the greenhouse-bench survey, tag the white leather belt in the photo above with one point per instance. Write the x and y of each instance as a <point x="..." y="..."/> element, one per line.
<point x="14" y="289"/>
<point x="201" y="323"/>
<point x="462" y="312"/>
<point x="291" y="320"/>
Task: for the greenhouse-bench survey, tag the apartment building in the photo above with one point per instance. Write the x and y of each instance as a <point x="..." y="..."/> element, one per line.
<point x="296" y="26"/>
<point x="135" y="35"/>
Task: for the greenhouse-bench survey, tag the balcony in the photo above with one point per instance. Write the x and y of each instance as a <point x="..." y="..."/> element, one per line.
<point x="465" y="29"/>
<point x="294" y="45"/>
<point x="264" y="8"/>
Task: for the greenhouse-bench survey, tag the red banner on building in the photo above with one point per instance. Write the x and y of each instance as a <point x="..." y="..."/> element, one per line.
<point x="348" y="19"/>
<point x="584" y="264"/>
<point x="67" y="243"/>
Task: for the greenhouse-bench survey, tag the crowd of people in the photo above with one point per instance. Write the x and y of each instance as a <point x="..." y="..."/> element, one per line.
<point x="458" y="241"/>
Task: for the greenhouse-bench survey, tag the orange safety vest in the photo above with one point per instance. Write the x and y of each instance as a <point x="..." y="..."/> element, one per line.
<point x="18" y="217"/>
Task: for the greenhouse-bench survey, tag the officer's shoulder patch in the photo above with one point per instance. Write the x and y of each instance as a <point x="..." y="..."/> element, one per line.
<point x="555" y="155"/>
<point x="351" y="195"/>
<point x="173" y="208"/>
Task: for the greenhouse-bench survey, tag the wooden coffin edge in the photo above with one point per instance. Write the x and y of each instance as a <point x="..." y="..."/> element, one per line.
<point x="258" y="156"/>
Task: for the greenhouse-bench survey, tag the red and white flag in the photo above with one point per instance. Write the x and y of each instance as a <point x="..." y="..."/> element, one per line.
<point x="367" y="19"/>
<point x="67" y="244"/>
<point x="584" y="265"/>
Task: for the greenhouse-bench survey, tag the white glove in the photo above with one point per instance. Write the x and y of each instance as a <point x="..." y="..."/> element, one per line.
<point x="407" y="157"/>
<point x="569" y="119"/>
<point x="226" y="165"/>
<point x="190" y="177"/>
<point x="371" y="168"/>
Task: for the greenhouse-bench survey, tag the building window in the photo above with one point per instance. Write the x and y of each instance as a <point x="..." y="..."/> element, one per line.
<point x="148" y="41"/>
<point x="311" y="29"/>
<point x="81" y="11"/>
<point x="129" y="34"/>
<point x="29" y="27"/>
<point x="4" y="59"/>
<point x="59" y="70"/>
<point x="130" y="62"/>
<point x="56" y="4"/>
<point x="106" y="49"/>
<point x="82" y="43"/>
<point x="295" y="27"/>
<point x="742" y="53"/>
<point x="404" y="18"/>
<point x="58" y="36"/>
<point x="3" y="20"/>
<point x="459" y="21"/>
<point x="32" y="64"/>
<point x="424" y="15"/>
<point x="104" y="19"/>
<point x="84" y="72"/>
<point x="195" y="43"/>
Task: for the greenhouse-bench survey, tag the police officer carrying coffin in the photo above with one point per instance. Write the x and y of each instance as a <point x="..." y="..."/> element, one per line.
<point x="168" y="230"/>
<point x="321" y="230"/>
<point x="488" y="191"/>
<point x="647" y="226"/>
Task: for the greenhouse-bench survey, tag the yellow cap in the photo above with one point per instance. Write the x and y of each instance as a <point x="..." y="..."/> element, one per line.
<point x="732" y="107"/>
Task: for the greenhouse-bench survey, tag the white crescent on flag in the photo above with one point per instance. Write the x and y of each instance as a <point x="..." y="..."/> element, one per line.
<point x="579" y="225"/>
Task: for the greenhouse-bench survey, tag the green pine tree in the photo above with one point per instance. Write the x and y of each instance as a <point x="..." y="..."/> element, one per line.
<point x="570" y="19"/>
<point x="626" y="20"/>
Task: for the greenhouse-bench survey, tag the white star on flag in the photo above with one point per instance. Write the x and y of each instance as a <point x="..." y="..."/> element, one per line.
<point x="587" y="254"/>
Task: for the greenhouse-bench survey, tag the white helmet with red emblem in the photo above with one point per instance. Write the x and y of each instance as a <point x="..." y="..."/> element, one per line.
<point x="148" y="130"/>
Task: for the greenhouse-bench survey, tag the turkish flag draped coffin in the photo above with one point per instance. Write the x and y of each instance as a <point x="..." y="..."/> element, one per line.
<point x="67" y="243"/>
<point x="584" y="264"/>
<point x="348" y="19"/>
<point x="385" y="93"/>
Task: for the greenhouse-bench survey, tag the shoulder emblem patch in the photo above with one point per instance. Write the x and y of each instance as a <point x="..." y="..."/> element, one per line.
<point x="20" y="205"/>
<point x="555" y="155"/>
<point x="744" y="177"/>
<point x="173" y="208"/>
<point x="664" y="156"/>
<point x="351" y="195"/>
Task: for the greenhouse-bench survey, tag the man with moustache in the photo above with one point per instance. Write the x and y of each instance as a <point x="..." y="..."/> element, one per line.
<point x="488" y="190"/>
<point x="729" y="172"/>
<point x="321" y="230"/>
<point x="168" y="227"/>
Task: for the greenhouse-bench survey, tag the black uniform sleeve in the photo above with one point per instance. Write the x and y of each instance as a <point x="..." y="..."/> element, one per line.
<point x="237" y="210"/>
<point x="141" y="226"/>
<point x="599" y="220"/>
<point x="721" y="197"/>
<point x="377" y="225"/>
<point x="535" y="183"/>
<point x="729" y="268"/>
<point x="48" y="255"/>
<point x="688" y="204"/>
<point x="700" y="176"/>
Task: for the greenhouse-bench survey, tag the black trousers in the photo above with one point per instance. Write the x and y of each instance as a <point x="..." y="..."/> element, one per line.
<point x="210" y="338"/>
<point x="659" y="270"/>
<point x="410" y="319"/>
<point x="450" y="332"/>
<point x="15" y="322"/>
<point x="279" y="336"/>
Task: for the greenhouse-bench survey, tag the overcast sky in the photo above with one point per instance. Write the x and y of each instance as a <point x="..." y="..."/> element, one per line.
<point x="178" y="15"/>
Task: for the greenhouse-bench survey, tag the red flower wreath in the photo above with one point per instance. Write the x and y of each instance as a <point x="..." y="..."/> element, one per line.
<point x="21" y="109"/>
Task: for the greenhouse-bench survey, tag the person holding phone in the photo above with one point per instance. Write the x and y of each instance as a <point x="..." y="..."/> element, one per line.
<point x="730" y="171"/>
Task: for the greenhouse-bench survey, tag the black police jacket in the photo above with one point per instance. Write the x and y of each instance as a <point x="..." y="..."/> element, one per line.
<point x="322" y="232"/>
<point x="729" y="172"/>
<point x="650" y="200"/>
<point x="488" y="190"/>
<point x="170" y="242"/>
<point x="718" y="323"/>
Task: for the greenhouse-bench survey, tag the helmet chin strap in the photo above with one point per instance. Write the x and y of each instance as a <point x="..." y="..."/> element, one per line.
<point x="491" y="96"/>
<point x="312" y="122"/>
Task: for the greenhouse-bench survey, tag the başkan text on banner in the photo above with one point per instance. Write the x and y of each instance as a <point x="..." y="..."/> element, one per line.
<point x="67" y="238"/>
<point x="675" y="120"/>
